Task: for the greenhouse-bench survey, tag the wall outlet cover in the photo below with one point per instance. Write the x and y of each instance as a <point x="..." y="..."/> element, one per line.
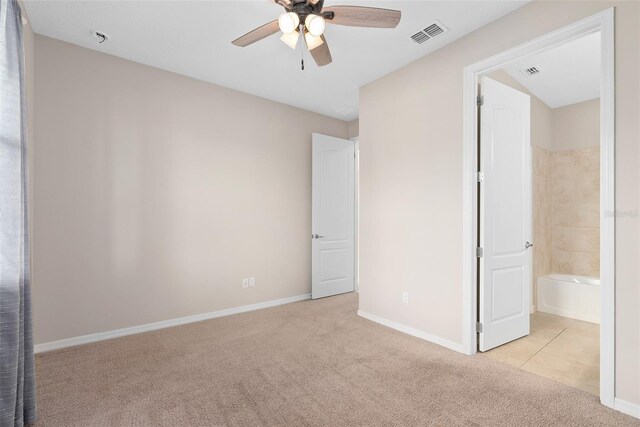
<point x="405" y="297"/>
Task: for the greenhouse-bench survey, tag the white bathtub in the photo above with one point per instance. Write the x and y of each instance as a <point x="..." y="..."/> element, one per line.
<point x="577" y="297"/>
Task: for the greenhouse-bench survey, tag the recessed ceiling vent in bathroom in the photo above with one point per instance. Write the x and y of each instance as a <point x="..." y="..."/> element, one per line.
<point x="531" y="71"/>
<point x="429" y="32"/>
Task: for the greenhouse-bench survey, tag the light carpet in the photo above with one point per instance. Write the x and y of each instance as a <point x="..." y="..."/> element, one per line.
<point x="307" y="363"/>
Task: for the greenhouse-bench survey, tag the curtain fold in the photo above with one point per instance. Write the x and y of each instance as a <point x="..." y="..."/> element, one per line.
<point x="17" y="374"/>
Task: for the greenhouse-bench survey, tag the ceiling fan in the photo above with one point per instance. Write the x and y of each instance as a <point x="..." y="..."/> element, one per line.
<point x="308" y="18"/>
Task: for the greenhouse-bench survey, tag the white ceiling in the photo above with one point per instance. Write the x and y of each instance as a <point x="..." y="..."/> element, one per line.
<point x="570" y="72"/>
<point x="193" y="38"/>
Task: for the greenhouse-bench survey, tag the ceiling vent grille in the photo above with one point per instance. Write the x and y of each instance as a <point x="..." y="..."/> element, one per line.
<point x="429" y="32"/>
<point x="531" y="71"/>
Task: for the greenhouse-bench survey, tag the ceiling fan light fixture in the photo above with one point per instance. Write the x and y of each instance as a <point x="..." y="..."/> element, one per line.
<point x="291" y="39"/>
<point x="288" y="22"/>
<point x="315" y="24"/>
<point x="312" y="41"/>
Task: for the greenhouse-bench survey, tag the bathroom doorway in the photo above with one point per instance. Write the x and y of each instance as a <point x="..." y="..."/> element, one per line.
<point x="548" y="310"/>
<point x="562" y="85"/>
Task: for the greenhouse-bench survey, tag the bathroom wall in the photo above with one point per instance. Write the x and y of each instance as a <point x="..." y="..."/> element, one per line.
<point x="354" y="128"/>
<point x="575" y="189"/>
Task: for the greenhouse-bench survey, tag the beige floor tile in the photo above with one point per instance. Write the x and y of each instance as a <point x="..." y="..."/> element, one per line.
<point x="543" y="320"/>
<point x="559" y="348"/>
<point x="543" y="325"/>
<point x="576" y="345"/>
<point x="584" y="376"/>
<point x="518" y="352"/>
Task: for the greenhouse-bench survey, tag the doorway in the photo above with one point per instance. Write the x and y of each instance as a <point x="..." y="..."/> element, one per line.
<point x="528" y="290"/>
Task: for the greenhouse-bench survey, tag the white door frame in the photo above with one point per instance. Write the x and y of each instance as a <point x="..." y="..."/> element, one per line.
<point x="356" y="170"/>
<point x="603" y="22"/>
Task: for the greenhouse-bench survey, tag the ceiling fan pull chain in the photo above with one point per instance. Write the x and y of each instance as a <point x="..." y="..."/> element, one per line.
<point x="302" y="49"/>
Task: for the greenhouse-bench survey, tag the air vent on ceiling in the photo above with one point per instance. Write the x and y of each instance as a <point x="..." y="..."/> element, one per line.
<point x="429" y="32"/>
<point x="531" y="71"/>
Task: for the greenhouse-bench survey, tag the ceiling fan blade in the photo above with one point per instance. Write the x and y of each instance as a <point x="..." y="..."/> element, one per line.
<point x="322" y="54"/>
<point x="358" y="16"/>
<point x="258" y="34"/>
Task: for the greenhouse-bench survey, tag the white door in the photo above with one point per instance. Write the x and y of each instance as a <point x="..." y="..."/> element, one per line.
<point x="333" y="216"/>
<point x="505" y="214"/>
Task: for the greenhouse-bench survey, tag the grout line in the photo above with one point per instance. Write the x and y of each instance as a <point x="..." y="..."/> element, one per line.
<point x="543" y="347"/>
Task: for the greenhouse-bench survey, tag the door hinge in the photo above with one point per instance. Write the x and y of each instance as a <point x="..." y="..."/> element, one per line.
<point x="479" y="252"/>
<point x="480" y="176"/>
<point x="479" y="327"/>
<point x="480" y="100"/>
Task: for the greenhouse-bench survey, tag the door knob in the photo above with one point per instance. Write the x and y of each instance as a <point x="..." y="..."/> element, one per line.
<point x="528" y="245"/>
<point x="317" y="236"/>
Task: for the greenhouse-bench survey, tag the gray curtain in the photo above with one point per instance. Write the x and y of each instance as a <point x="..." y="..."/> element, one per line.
<point x="17" y="376"/>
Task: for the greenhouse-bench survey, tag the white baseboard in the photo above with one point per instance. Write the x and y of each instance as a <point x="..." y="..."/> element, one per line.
<point x="100" y="336"/>
<point x="412" y="331"/>
<point x="625" y="407"/>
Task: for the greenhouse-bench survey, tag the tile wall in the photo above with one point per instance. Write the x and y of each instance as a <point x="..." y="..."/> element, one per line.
<point x="575" y="201"/>
<point x="566" y="211"/>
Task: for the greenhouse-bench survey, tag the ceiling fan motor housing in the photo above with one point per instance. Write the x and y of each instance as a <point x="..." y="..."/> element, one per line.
<point x="303" y="8"/>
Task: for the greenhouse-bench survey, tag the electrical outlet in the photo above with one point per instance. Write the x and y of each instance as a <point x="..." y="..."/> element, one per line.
<point x="405" y="297"/>
<point x="252" y="282"/>
<point x="245" y="283"/>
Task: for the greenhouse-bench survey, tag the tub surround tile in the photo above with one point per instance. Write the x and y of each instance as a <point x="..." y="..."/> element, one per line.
<point x="587" y="215"/>
<point x="585" y="240"/>
<point x="587" y="188"/>
<point x="566" y="211"/>
<point x="562" y="261"/>
<point x="587" y="263"/>
<point x="562" y="238"/>
<point x="563" y="215"/>
<point x="588" y="159"/>
<point x="562" y="190"/>
<point x="542" y="216"/>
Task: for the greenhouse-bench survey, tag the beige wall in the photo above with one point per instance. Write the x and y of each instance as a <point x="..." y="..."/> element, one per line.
<point x="354" y="128"/>
<point x="155" y="194"/>
<point x="411" y="179"/>
<point x="576" y="126"/>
